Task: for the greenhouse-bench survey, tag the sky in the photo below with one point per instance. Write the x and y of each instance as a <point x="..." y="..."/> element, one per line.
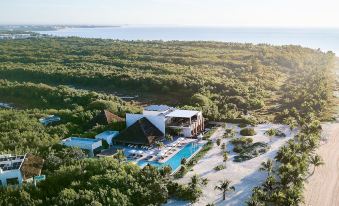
<point x="235" y="13"/>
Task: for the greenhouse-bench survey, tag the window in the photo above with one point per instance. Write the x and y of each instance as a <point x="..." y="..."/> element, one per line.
<point x="13" y="181"/>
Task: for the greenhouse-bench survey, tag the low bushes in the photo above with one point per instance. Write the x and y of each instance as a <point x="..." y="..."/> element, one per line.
<point x="275" y="132"/>
<point x="287" y="183"/>
<point x="248" y="132"/>
<point x="246" y="149"/>
<point x="219" y="167"/>
<point x="184" y="192"/>
<point x="208" y="134"/>
<point x="241" y="141"/>
<point x="229" y="133"/>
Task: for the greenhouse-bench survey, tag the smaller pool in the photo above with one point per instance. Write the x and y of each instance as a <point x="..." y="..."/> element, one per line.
<point x="175" y="161"/>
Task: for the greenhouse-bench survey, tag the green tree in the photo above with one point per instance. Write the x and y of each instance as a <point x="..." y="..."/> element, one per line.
<point x="267" y="166"/>
<point x="224" y="186"/>
<point x="225" y="157"/>
<point x="316" y="161"/>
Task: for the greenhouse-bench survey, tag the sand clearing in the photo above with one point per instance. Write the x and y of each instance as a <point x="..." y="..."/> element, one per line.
<point x="322" y="189"/>
<point x="244" y="176"/>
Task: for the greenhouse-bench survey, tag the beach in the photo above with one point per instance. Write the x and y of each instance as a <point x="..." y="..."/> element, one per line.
<point x="322" y="188"/>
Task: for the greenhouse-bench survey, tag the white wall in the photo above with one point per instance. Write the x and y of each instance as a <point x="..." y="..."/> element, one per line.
<point x="158" y="121"/>
<point x="4" y="175"/>
<point x="151" y="113"/>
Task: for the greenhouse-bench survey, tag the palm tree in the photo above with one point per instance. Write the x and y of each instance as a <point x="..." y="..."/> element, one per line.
<point x="218" y="142"/>
<point x="120" y="156"/>
<point x="169" y="137"/>
<point x="225" y="186"/>
<point x="316" y="161"/>
<point x="267" y="166"/>
<point x="197" y="181"/>
<point x="269" y="184"/>
<point x="254" y="202"/>
<point x="159" y="145"/>
<point x="225" y="156"/>
<point x="166" y="171"/>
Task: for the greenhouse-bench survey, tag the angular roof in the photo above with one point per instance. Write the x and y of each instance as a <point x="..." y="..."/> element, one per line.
<point x="158" y="108"/>
<point x="141" y="132"/>
<point x="105" y="117"/>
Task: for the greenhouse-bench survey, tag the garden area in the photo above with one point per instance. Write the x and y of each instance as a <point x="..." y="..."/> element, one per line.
<point x="222" y="161"/>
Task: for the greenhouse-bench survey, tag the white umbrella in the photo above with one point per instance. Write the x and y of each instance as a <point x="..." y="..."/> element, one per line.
<point x="140" y="152"/>
<point x="151" y="152"/>
<point x="181" y="139"/>
<point x="161" y="153"/>
<point x="133" y="151"/>
<point x="172" y="144"/>
<point x="166" y="150"/>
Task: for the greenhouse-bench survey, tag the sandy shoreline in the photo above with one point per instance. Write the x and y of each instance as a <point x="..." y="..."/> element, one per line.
<point x="322" y="188"/>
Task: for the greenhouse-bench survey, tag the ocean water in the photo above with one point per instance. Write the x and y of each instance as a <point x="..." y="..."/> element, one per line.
<point x="324" y="39"/>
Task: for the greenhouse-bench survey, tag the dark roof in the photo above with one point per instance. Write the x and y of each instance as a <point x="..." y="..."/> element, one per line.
<point x="158" y="108"/>
<point x="141" y="132"/>
<point x="105" y="117"/>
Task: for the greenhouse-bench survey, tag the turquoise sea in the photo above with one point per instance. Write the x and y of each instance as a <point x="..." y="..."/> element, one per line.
<point x="316" y="38"/>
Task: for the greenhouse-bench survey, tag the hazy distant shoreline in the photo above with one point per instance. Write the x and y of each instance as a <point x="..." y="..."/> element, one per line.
<point x="324" y="39"/>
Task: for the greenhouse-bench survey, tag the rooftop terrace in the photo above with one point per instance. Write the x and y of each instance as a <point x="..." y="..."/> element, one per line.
<point x="11" y="162"/>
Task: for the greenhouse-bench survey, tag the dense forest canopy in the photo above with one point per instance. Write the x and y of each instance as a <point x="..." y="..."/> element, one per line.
<point x="75" y="78"/>
<point x="226" y="80"/>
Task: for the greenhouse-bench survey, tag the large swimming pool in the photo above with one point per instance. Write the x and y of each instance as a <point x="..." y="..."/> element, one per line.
<point x="175" y="161"/>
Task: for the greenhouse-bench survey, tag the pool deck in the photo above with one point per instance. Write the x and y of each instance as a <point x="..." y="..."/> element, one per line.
<point x="176" y="150"/>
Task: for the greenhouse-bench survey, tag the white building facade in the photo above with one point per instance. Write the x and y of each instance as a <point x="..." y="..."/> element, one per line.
<point x="10" y="170"/>
<point x="188" y="123"/>
<point x="93" y="146"/>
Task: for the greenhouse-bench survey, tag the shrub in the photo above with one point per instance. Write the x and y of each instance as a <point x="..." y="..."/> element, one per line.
<point x="183" y="192"/>
<point x="242" y="140"/>
<point x="208" y="134"/>
<point x="247" y="132"/>
<point x="223" y="146"/>
<point x="241" y="158"/>
<point x="238" y="149"/>
<point x="218" y="142"/>
<point x="275" y="132"/>
<point x="229" y="133"/>
<point x="242" y="125"/>
<point x="219" y="167"/>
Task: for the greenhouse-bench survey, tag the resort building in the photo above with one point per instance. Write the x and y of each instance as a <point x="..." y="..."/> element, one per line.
<point x="107" y="136"/>
<point x="141" y="132"/>
<point x="10" y="170"/>
<point x="16" y="169"/>
<point x="93" y="146"/>
<point x="188" y="123"/>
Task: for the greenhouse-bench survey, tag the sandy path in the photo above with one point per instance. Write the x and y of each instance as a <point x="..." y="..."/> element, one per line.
<point x="322" y="189"/>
